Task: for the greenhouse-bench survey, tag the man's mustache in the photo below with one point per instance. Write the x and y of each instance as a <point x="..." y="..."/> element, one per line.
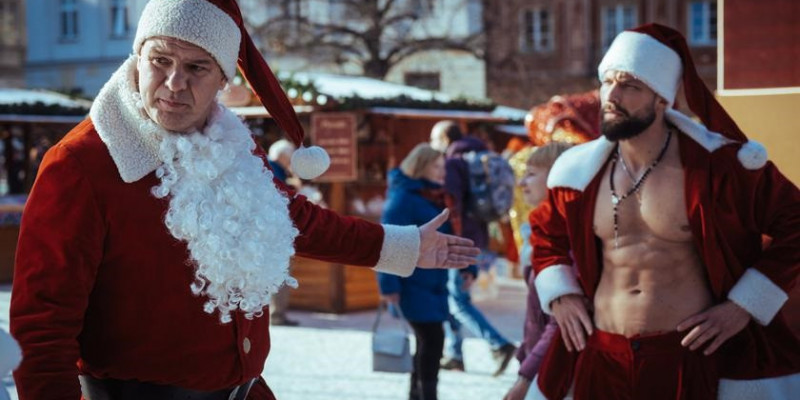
<point x="615" y="108"/>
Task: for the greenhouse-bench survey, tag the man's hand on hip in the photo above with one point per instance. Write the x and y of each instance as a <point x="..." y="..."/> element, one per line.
<point x="438" y="250"/>
<point x="573" y="319"/>
<point x="720" y="323"/>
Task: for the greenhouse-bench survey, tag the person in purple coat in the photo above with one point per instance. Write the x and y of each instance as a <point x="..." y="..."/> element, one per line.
<point x="462" y="312"/>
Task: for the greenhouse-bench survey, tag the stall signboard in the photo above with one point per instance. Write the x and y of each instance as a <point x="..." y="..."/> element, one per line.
<point x="336" y="133"/>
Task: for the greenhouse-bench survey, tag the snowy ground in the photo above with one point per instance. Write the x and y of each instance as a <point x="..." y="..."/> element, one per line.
<point x="328" y="357"/>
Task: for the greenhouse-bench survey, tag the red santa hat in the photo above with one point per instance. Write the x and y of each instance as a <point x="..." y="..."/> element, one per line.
<point x="659" y="56"/>
<point x="217" y="27"/>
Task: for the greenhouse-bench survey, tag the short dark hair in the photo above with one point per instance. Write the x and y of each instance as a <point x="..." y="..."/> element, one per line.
<point x="450" y="129"/>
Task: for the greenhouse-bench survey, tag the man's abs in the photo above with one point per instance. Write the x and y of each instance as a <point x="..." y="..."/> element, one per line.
<point x="650" y="288"/>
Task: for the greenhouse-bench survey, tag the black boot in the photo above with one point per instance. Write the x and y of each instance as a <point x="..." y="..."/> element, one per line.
<point x="428" y="389"/>
<point x="413" y="391"/>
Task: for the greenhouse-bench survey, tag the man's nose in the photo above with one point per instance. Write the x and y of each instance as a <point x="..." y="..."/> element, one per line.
<point x="612" y="92"/>
<point x="177" y="80"/>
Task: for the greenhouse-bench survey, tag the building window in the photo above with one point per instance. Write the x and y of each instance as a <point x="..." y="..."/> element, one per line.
<point x="423" y="8"/>
<point x="537" y="31"/>
<point x="703" y="23"/>
<point x="424" y="80"/>
<point x="474" y="17"/>
<point x="69" y="19"/>
<point x="9" y="31"/>
<point x="295" y="8"/>
<point x="119" y="18"/>
<point x="615" y="20"/>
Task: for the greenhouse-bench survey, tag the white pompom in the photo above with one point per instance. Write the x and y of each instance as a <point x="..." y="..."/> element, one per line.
<point x="10" y="354"/>
<point x="752" y="155"/>
<point x="310" y="162"/>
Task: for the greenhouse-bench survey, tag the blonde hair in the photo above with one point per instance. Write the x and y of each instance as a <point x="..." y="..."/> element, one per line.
<point x="545" y="156"/>
<point x="418" y="159"/>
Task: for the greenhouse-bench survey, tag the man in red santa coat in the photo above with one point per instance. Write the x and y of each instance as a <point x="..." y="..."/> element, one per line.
<point x="142" y="271"/>
<point x="675" y="296"/>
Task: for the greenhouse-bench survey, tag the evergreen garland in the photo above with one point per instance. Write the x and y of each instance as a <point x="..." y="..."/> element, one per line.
<point x="40" y="108"/>
<point x="296" y="89"/>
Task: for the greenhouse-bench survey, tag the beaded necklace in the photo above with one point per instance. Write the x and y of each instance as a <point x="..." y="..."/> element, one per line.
<point x="616" y="200"/>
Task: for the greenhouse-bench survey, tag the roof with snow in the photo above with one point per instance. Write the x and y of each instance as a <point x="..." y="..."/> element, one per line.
<point x="26" y="96"/>
<point x="40" y="106"/>
<point x="342" y="86"/>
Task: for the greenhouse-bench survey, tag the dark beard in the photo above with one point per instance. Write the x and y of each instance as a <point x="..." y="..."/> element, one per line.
<point x="627" y="128"/>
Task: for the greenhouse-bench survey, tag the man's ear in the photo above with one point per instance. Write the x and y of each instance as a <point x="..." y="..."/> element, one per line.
<point x="136" y="74"/>
<point x="662" y="103"/>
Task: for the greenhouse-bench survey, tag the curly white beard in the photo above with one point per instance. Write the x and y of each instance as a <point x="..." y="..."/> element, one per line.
<point x="223" y="203"/>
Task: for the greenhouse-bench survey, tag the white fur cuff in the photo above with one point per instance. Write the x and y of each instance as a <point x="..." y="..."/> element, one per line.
<point x="553" y="282"/>
<point x="400" y="250"/>
<point x="758" y="296"/>
<point x="780" y="387"/>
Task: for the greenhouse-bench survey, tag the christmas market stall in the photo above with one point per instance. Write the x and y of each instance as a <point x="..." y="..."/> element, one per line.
<point x="367" y="126"/>
<point x="30" y="122"/>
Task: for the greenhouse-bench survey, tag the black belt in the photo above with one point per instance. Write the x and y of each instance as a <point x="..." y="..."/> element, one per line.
<point x="114" y="389"/>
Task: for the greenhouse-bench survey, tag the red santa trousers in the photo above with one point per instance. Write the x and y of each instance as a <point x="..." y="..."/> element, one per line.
<point x="651" y="367"/>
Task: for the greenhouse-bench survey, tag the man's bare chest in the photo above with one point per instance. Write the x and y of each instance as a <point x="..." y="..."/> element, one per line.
<point x="657" y="209"/>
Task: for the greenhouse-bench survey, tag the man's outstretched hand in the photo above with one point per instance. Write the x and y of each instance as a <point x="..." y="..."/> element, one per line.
<point x="439" y="250"/>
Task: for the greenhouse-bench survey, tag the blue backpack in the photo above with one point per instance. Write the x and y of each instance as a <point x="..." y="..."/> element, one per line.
<point x="491" y="185"/>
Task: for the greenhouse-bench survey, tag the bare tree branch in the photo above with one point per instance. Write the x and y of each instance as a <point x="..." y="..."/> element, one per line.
<point x="375" y="34"/>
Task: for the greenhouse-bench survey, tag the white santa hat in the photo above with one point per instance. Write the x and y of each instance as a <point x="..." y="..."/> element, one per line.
<point x="217" y="27"/>
<point x="659" y="56"/>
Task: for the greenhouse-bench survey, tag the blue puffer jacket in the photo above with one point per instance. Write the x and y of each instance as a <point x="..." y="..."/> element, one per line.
<point x="423" y="295"/>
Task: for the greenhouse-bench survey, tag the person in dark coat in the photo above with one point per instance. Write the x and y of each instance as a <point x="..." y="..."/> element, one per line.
<point x="463" y="312"/>
<point x="415" y="195"/>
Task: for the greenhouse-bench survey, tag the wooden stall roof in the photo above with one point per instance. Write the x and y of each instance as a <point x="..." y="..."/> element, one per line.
<point x="437" y="114"/>
<point x="41" y="119"/>
<point x="261" y="112"/>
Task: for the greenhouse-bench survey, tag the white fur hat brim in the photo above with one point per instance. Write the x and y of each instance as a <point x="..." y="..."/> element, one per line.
<point x="647" y="59"/>
<point x="195" y="21"/>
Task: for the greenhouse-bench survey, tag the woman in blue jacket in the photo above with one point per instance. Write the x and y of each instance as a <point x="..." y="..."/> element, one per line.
<point x="415" y="196"/>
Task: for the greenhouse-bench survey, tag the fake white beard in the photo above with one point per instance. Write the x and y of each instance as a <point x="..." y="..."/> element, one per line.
<point x="223" y="203"/>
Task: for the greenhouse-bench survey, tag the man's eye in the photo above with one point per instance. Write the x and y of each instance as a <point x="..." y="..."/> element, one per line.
<point x="196" y="68"/>
<point x="161" y="60"/>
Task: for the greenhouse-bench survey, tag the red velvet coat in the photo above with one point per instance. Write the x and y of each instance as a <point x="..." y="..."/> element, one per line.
<point x="729" y="208"/>
<point x="102" y="288"/>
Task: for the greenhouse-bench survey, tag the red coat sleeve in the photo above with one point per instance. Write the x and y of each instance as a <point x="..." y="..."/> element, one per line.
<point x="328" y="236"/>
<point x="59" y="250"/>
<point x="766" y="203"/>
<point x="777" y="212"/>
<point x="549" y="236"/>
<point x="552" y="260"/>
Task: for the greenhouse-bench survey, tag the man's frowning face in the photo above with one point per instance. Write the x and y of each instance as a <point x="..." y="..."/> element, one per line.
<point x="178" y="82"/>
<point x="629" y="106"/>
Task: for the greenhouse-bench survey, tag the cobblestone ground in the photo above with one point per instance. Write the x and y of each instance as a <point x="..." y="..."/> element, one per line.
<point x="328" y="357"/>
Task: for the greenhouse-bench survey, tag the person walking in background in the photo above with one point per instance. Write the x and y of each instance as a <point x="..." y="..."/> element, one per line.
<point x="462" y="311"/>
<point x="279" y="157"/>
<point x="539" y="328"/>
<point x="414" y="196"/>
